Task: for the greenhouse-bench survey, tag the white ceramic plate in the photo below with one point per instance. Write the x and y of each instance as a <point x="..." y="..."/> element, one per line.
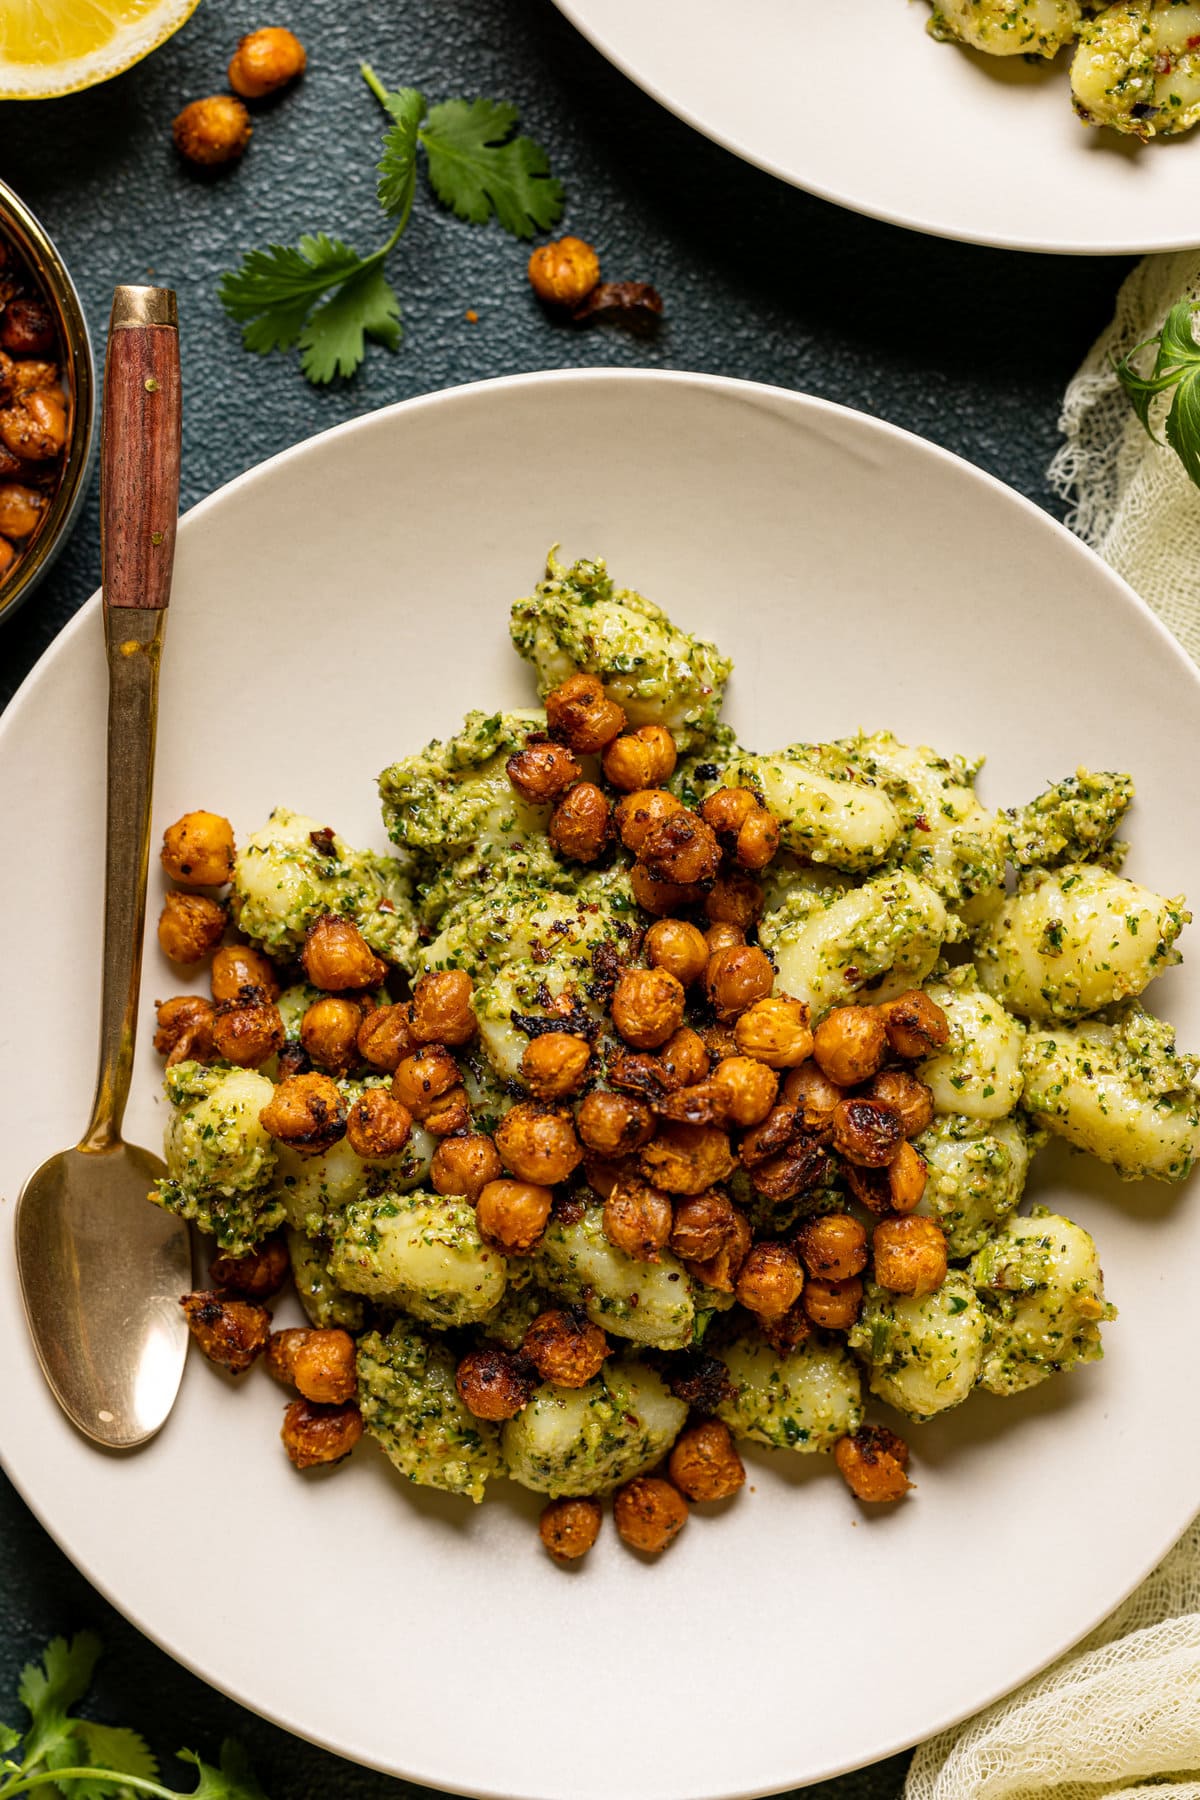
<point x="335" y="608"/>
<point x="853" y="101"/>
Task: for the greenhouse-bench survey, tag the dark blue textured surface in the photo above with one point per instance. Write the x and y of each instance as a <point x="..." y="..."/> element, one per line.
<point x="969" y="347"/>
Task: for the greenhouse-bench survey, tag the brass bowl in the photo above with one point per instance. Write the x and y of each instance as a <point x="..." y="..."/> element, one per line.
<point x="22" y="229"/>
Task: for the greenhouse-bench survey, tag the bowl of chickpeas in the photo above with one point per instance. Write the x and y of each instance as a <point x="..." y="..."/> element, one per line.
<point x="47" y="402"/>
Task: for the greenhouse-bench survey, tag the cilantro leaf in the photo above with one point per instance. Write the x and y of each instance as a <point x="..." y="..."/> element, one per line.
<point x="1176" y="366"/>
<point x="398" y="163"/>
<point x="116" y="1749"/>
<point x="332" y="342"/>
<point x="234" y="1780"/>
<point x="50" y="1688"/>
<point x="476" y="167"/>
<point x="9" y="1739"/>
<point x="275" y="289"/>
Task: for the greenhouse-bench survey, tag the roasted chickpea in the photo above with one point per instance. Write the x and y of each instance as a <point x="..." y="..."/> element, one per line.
<point x="723" y="935"/>
<point x="189" y="926"/>
<point x="570" y="1527"/>
<point x="687" y="1159"/>
<point x="315" y="1434"/>
<point x="722" y="1270"/>
<point x="27" y="328"/>
<point x="681" y="849"/>
<point x="915" y="1024"/>
<point x="238" y="966"/>
<point x="744" y="826"/>
<point x="34" y="425"/>
<point x="866" y="1132"/>
<point x="20" y="509"/>
<point x="705" y="1464"/>
<point x="22" y="377"/>
<point x="184" y="1029"/>
<point x="814" y="1096"/>
<point x="718" y="1040"/>
<point x="441" y="1008"/>
<point x="306" y="1112"/>
<point x="640" y="759"/>
<point x="872" y="1462"/>
<point x="660" y="898"/>
<point x="702" y="1226"/>
<point x="789" y="1329"/>
<point x="907" y="1096"/>
<point x="247" y="1032"/>
<point x="385" y="1037"/>
<point x="677" y="947"/>
<point x="562" y="274"/>
<point x="555" y="1065"/>
<point x="450" y="1113"/>
<point x="8" y="555"/>
<point x="581" y="823"/>
<point x="542" y="770"/>
<point x="465" y="1165"/>
<point x="649" y="1513"/>
<point x="614" y="1125"/>
<point x="775" y="1031"/>
<point x="637" y="1219"/>
<point x="421" y="1079"/>
<point x="758" y="840"/>
<point x="735" y="978"/>
<point x="491" y="1383"/>
<point x="726" y="809"/>
<point x="564" y="1348"/>
<point x="907" y="1174"/>
<point x="734" y="899"/>
<point x="684" y="1057"/>
<point x="336" y="956"/>
<point x="255" y="1275"/>
<point x="538" y="1143"/>
<point x="909" y="1255"/>
<point x="834" y="1247"/>
<point x="264" y="61"/>
<point x="639" y="813"/>
<point x="797" y="1169"/>
<point x="768" y="1137"/>
<point x="211" y="131"/>
<point x="601" y="1176"/>
<point x="849" y="1044"/>
<point x="513" y="1214"/>
<point x="230" y="1332"/>
<point x="580" y="714"/>
<point x="647" y="1007"/>
<point x="745" y="1089"/>
<point x="770" y="1281"/>
<point x="832" y="1304"/>
<point x="197" y="850"/>
<point x="378" y="1125"/>
<point x="318" y="1363"/>
<point x="329" y="1033"/>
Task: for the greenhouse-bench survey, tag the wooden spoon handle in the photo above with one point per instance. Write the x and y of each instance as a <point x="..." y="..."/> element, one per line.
<point x="139" y="462"/>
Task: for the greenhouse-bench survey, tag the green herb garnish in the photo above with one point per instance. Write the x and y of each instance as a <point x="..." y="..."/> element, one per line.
<point x="1176" y="365"/>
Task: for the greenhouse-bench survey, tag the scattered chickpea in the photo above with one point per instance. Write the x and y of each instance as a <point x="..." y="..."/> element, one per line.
<point x="814" y="1096"/>
<point x="702" y="1226"/>
<point x="638" y="813"/>
<point x="189" y="926"/>
<point x="441" y="1008"/>
<point x="184" y="1029"/>
<point x="255" y="1275"/>
<point x="465" y="1165"/>
<point x="649" y="1513"/>
<point x="705" y="1464"/>
<point x="684" y="1057"/>
<point x="866" y="1132"/>
<point x="305" y="1112"/>
<point x="555" y="1065"/>
<point x="423" y="1077"/>
<point x="681" y="849"/>
<point x="336" y="956"/>
<point x="771" y="1280"/>
<point x="565" y="272"/>
<point x="661" y="898"/>
<point x="910" y="1255"/>
<point x="775" y="1031"/>
<point x="315" y="1434"/>
<point x="513" y="1214"/>
<point x="570" y="1527"/>
<point x="849" y="1044"/>
<point x="264" y="61"/>
<point x="745" y="1089"/>
<point x="211" y="131"/>
<point x="872" y="1462"/>
<point x="734" y="899"/>
<point x="238" y="966"/>
<point x="580" y="714"/>
<point x="197" y="850"/>
<point x="637" y="1219"/>
<point x="230" y="1332"/>
<point x="647" y="1007"/>
<point x="385" y="1037"/>
<point x="565" y="1349"/>
<point x="542" y="771"/>
<point x="735" y="978"/>
<point x="614" y="1125"/>
<point x="491" y="1383"/>
<point x="834" y="1247"/>
<point x="378" y="1125"/>
<point x="318" y="1363"/>
<point x="687" y="1159"/>
<point x="538" y="1143"/>
<point x="247" y="1032"/>
<point x="915" y="1024"/>
<point x="677" y="947"/>
<point x="640" y="759"/>
<point x="833" y="1305"/>
<point x="329" y="1033"/>
<point x="722" y="1270"/>
<point x="581" y="823"/>
<point x="907" y="1096"/>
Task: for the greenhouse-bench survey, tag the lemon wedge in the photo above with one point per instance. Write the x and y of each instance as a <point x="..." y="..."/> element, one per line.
<point x="52" y="47"/>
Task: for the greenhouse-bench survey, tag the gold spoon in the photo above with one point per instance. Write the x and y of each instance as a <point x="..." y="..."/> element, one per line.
<point x="101" y="1269"/>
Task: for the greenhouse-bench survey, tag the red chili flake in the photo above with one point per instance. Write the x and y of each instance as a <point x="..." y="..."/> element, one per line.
<point x="921" y="822"/>
<point x="386" y="906"/>
<point x="322" y="841"/>
<point x="631" y="1419"/>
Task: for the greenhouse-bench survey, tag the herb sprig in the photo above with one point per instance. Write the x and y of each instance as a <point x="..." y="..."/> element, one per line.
<point x="322" y="297"/>
<point x="57" y="1752"/>
<point x="1177" y="366"/>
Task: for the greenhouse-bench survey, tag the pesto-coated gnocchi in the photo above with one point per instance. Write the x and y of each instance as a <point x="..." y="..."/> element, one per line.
<point x="976" y="1171"/>
<point x="834" y="945"/>
<point x="293" y="870"/>
<point x="589" y="1439"/>
<point x="923" y="1352"/>
<point x="411" y="1406"/>
<point x="979" y="1072"/>
<point x="828" y="816"/>
<point x="1042" y="1292"/>
<point x="419" y="1252"/>
<point x="219" y="1158"/>
<point x="648" y="1303"/>
<point x="1008" y="27"/>
<point x="805" y="1400"/>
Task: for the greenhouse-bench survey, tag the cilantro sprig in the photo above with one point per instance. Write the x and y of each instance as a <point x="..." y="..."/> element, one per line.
<point x="321" y="297"/>
<point x="60" y="1753"/>
<point x="1177" y="366"/>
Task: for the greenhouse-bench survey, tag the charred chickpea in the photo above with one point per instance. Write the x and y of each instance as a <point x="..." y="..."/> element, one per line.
<point x="20" y="509"/>
<point x="450" y="1113"/>
<point x="798" y="1168"/>
<point x="687" y="1159"/>
<point x="745" y="1089"/>
<point x="378" y="1125"/>
<point x="833" y="1248"/>
<point x="873" y="1462"/>
<point x="601" y="1176"/>
<point x="385" y="1037"/>
<point x="647" y="1007"/>
<point x="189" y="926"/>
<point x="580" y="714"/>
<point x="907" y="1096"/>
<point x="23" y="377"/>
<point x="909" y="1255"/>
<point x="336" y="956"/>
<point x="197" y="850"/>
<point x="491" y="1383"/>
<point x="661" y="898"/>
<point x="639" y="813"/>
<point x="784" y="1333"/>
<point x="775" y="1031"/>
<point x="677" y="947"/>
<point x="637" y="1219"/>
<point x="211" y="131"/>
<point x="305" y="1112"/>
<point x="866" y="1133"/>
<point x="421" y="1079"/>
<point x="640" y="759"/>
<point x="721" y="1270"/>
<point x="33" y="427"/>
<point x="915" y="1024"/>
<point x="705" y="1465"/>
<point x="264" y="61"/>
<point x="614" y="1125"/>
<point x="702" y="1226"/>
<point x="184" y="1029"/>
<point x="562" y="274"/>
<point x="814" y="1096"/>
<point x="441" y="1011"/>
<point x="315" y="1434"/>
<point x="542" y="770"/>
<point x="255" y="1275"/>
<point x="581" y="823"/>
<point x="555" y="1065"/>
<point x="538" y="1143"/>
<point x="465" y="1165"/>
<point x="318" y="1363"/>
<point x="27" y="328"/>
<point x="907" y="1174"/>
<point x="849" y="1044"/>
<point x="758" y="840"/>
<point x="744" y="826"/>
<point x="718" y="1040"/>
<point x="329" y="1033"/>
<point x="734" y="899"/>
<point x="564" y="1348"/>
<point x="684" y="1057"/>
<point x="649" y="1513"/>
<point x="723" y="935"/>
<point x="681" y="849"/>
<point x="568" y="1528"/>
<point x="513" y="1214"/>
<point x="770" y="1135"/>
<point x="230" y="1332"/>
<point x="238" y="966"/>
<point x="247" y="1031"/>
<point x="770" y="1281"/>
<point x="832" y="1304"/>
<point x="735" y="978"/>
